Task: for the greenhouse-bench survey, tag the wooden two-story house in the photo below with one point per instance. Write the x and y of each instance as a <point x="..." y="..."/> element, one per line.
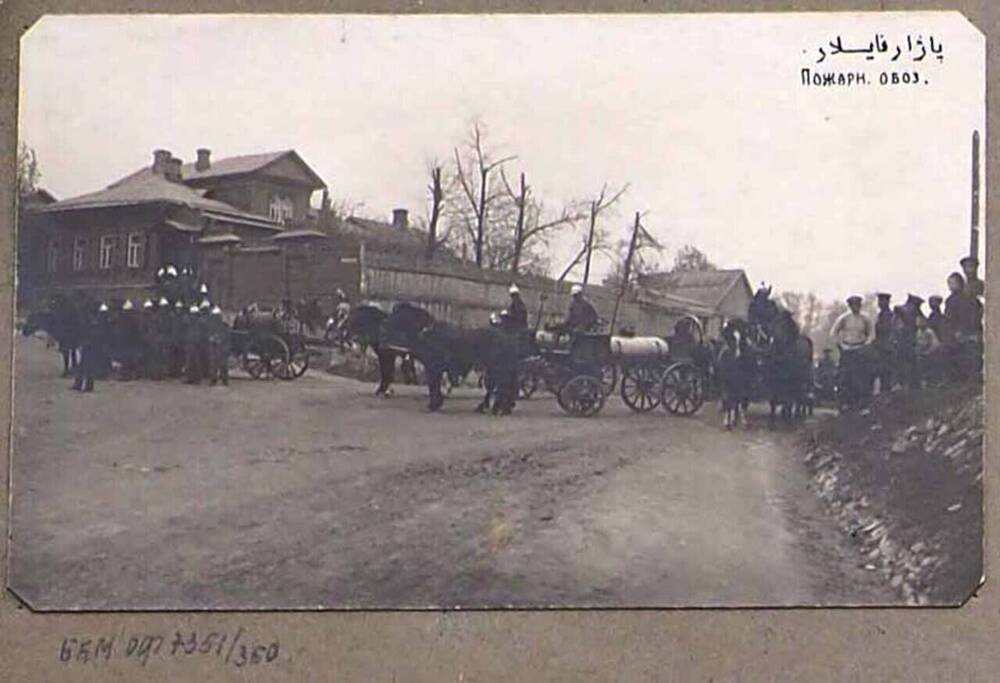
<point x="110" y="243"/>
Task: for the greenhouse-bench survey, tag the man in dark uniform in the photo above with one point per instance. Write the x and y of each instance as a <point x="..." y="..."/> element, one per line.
<point x="961" y="330"/>
<point x="905" y="338"/>
<point x="936" y="318"/>
<point x="517" y="312"/>
<point x="129" y="337"/>
<point x="970" y="269"/>
<point x="194" y="346"/>
<point x="154" y="336"/>
<point x="175" y="339"/>
<point x="93" y="349"/>
<point x="219" y="342"/>
<point x="582" y="316"/>
<point x="884" y="370"/>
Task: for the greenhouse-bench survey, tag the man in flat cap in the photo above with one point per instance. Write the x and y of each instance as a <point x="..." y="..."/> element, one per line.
<point x="852" y="332"/>
<point x="970" y="268"/>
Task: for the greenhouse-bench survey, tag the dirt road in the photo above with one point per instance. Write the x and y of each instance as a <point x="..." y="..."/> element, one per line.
<point x="315" y="494"/>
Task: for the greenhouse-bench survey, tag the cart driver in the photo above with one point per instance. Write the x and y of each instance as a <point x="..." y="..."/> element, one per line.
<point x="582" y="316"/>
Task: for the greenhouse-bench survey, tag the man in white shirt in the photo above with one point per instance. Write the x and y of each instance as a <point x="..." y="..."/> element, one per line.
<point x="853" y="332"/>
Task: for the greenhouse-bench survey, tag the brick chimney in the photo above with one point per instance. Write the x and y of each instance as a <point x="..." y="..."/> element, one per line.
<point x="204" y="161"/>
<point x="400" y="219"/>
<point x="174" y="170"/>
<point x="161" y="158"/>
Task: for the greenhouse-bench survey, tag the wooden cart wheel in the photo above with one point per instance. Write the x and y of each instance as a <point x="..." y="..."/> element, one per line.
<point x="281" y="363"/>
<point x="264" y="356"/>
<point x="609" y="378"/>
<point x="640" y="388"/>
<point x="582" y="396"/>
<point x="682" y="389"/>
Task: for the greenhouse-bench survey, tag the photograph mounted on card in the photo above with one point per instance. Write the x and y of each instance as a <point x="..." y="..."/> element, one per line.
<point x="498" y="311"/>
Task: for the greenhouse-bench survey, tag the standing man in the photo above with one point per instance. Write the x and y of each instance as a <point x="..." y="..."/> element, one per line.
<point x="906" y="340"/>
<point x="962" y="330"/>
<point x="884" y="370"/>
<point x="175" y="338"/>
<point x="93" y="350"/>
<point x="194" y="341"/>
<point x="970" y="269"/>
<point x="219" y="342"/>
<point x="936" y="319"/>
<point x="129" y="341"/>
<point x="852" y="332"/>
<point x="517" y="312"/>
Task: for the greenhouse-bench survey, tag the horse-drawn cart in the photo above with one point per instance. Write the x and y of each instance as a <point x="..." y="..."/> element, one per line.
<point x="266" y="346"/>
<point x="584" y="371"/>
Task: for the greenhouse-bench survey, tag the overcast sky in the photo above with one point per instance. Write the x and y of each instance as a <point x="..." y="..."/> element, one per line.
<point x="832" y="190"/>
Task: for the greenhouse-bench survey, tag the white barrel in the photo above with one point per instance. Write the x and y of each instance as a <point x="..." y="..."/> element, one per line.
<point x="548" y="339"/>
<point x="639" y="348"/>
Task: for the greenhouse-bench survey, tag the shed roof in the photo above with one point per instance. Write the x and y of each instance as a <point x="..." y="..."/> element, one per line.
<point x="708" y="287"/>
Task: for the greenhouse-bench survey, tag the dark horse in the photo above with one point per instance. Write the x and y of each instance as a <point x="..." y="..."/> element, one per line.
<point x="786" y="356"/>
<point x="63" y="320"/>
<point x="736" y="372"/>
<point x="445" y="348"/>
<point x="390" y="336"/>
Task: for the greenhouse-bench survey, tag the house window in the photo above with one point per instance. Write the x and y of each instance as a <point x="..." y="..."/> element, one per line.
<point x="136" y="245"/>
<point x="53" y="256"/>
<point x="281" y="210"/>
<point x="107" y="251"/>
<point x="79" y="254"/>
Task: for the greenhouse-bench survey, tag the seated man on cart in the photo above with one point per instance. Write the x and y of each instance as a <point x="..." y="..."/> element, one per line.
<point x="580" y="318"/>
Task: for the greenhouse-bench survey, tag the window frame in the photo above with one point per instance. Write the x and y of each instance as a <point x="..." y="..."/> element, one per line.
<point x="106" y="252"/>
<point x="80" y="246"/>
<point x="136" y="248"/>
<point x="52" y="256"/>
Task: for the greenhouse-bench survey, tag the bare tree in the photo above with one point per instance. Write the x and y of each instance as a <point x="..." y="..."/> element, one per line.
<point x="28" y="172"/>
<point x="346" y="207"/>
<point x="604" y="201"/>
<point x="690" y="257"/>
<point x="472" y="172"/>
<point x="437" y="196"/>
<point x="530" y="224"/>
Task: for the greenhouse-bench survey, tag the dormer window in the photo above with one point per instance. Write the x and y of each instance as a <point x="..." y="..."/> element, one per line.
<point x="281" y="209"/>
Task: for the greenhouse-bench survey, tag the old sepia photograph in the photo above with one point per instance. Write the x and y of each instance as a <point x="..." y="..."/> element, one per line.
<point x="498" y="311"/>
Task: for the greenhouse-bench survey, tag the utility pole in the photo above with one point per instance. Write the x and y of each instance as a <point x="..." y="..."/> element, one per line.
<point x="590" y="241"/>
<point x="627" y="270"/>
<point x="974" y="232"/>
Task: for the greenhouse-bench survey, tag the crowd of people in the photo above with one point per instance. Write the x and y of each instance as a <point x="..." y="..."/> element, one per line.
<point x="904" y="346"/>
<point x="177" y="333"/>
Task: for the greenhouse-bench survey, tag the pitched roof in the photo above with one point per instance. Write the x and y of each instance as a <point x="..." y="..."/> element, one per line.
<point x="141" y="188"/>
<point x="144" y="186"/>
<point x="707" y="287"/>
<point x="246" y="163"/>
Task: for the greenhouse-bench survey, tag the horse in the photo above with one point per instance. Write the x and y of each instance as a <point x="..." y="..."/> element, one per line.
<point x="735" y="366"/>
<point x="445" y="348"/>
<point x="64" y="322"/>
<point x="786" y="358"/>
<point x="389" y="336"/>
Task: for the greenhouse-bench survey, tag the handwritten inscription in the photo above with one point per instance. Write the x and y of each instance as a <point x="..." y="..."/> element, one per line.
<point x="231" y="649"/>
<point x="913" y="49"/>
